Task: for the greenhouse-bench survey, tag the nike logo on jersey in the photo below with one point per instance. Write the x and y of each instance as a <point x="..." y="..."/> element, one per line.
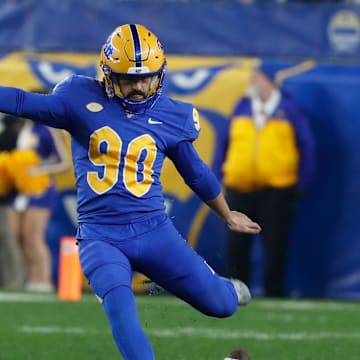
<point x="153" y="122"/>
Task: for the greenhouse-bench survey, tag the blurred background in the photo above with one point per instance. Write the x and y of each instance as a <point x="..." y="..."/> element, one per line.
<point x="211" y="46"/>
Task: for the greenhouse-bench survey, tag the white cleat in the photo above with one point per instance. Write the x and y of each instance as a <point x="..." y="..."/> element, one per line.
<point x="242" y="292"/>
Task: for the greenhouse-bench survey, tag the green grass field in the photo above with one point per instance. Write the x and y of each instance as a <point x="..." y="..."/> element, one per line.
<point x="39" y="327"/>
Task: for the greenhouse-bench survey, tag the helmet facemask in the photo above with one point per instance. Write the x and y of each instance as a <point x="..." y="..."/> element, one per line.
<point x="135" y="105"/>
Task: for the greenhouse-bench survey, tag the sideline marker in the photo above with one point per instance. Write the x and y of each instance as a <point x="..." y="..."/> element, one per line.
<point x="70" y="273"/>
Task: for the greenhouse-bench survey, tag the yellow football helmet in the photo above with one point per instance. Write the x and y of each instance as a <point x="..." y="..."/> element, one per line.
<point x="133" y="50"/>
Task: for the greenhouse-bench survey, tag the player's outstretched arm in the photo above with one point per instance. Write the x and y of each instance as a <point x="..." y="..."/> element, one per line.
<point x="235" y="220"/>
<point x="47" y="109"/>
<point x="204" y="183"/>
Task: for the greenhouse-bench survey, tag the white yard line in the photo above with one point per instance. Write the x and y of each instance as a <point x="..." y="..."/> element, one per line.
<point x="230" y="334"/>
<point x="36" y="297"/>
<point x="26" y="297"/>
<point x="56" y="330"/>
<point x="201" y="333"/>
<point x="306" y="305"/>
<point x="276" y="305"/>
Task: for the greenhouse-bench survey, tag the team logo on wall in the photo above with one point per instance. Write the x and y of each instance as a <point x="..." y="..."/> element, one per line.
<point x="344" y="31"/>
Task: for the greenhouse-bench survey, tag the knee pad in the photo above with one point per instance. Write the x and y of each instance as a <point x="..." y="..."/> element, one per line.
<point x="108" y="277"/>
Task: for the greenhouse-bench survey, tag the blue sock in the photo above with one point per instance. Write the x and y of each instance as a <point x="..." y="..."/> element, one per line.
<point x="120" y="308"/>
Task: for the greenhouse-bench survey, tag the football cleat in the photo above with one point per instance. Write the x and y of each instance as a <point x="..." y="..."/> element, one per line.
<point x="242" y="292"/>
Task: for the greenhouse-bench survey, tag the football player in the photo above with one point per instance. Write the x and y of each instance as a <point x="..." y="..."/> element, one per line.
<point x="122" y="128"/>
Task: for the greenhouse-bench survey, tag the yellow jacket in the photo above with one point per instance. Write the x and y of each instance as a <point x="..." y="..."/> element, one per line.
<point x="259" y="158"/>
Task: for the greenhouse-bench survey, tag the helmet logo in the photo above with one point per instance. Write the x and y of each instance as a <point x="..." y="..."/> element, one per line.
<point x="108" y="48"/>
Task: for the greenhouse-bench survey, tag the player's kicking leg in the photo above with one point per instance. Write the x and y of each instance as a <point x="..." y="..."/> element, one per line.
<point x="169" y="261"/>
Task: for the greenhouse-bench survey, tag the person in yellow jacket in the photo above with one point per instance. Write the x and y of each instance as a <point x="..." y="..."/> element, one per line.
<point x="270" y="159"/>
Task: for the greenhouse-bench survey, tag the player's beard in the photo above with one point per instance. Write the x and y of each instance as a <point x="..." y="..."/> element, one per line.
<point x="134" y="93"/>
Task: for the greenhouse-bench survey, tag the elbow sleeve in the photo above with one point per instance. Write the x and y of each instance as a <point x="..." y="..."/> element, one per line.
<point x="196" y="174"/>
<point x="204" y="184"/>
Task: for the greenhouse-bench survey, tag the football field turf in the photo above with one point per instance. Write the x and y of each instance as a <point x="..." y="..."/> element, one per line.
<point x="39" y="327"/>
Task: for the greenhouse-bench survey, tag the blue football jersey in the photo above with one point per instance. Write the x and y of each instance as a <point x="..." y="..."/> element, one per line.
<point x="117" y="156"/>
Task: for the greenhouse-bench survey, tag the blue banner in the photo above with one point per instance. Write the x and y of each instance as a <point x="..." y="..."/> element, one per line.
<point x="186" y="27"/>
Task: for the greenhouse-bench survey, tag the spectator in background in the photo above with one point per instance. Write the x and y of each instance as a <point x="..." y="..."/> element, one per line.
<point x="10" y="265"/>
<point x="41" y="153"/>
<point x="270" y="160"/>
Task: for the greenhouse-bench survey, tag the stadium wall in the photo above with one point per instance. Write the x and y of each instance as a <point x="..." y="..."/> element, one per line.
<point x="325" y="254"/>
